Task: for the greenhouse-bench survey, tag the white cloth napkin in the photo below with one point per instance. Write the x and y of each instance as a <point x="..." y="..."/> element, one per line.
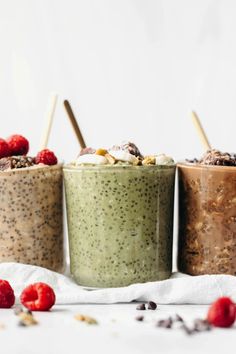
<point x="179" y="289"/>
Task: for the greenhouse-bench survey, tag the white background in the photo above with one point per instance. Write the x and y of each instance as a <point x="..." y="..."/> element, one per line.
<point x="132" y="69"/>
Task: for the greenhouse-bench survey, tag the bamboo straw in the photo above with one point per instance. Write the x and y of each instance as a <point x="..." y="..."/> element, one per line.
<point x="201" y="133"/>
<point x="49" y="119"/>
<point x="74" y="124"/>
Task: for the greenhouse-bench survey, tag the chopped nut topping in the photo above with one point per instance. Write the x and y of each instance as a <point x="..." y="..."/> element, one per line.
<point x="87" y="319"/>
<point x="101" y="152"/>
<point x="149" y="160"/>
<point x="110" y="159"/>
<point x="138" y="161"/>
<point x="26" y="317"/>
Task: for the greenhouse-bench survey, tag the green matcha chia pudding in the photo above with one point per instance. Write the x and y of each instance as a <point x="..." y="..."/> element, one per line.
<point x="120" y="221"/>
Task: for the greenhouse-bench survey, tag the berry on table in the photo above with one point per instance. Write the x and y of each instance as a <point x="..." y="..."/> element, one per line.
<point x="222" y="312"/>
<point x="38" y="297"/>
<point x="47" y="157"/>
<point x="18" y="145"/>
<point x="7" y="297"/>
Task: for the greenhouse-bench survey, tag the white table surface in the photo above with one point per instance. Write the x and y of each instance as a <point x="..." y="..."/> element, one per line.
<point x="117" y="332"/>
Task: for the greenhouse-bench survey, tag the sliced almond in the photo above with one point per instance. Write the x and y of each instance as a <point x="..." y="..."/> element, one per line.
<point x="110" y="159"/>
<point x="87" y="319"/>
<point x="27" y="319"/>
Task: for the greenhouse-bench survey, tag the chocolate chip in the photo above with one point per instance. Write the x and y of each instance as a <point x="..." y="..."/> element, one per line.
<point x="141" y="307"/>
<point x="178" y="318"/>
<point x="12" y="162"/>
<point x="201" y="325"/>
<point x="139" y="318"/>
<point x="165" y="323"/>
<point x="187" y="330"/>
<point x="21" y="324"/>
<point x="152" y="305"/>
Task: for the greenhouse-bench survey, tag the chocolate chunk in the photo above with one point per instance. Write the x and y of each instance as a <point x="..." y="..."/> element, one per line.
<point x="12" y="162"/>
<point x="218" y="158"/>
<point x="141" y="307"/>
<point x="167" y="323"/>
<point x="21" y="324"/>
<point x="139" y="318"/>
<point x="128" y="146"/>
<point x="132" y="148"/>
<point x="152" y="305"/>
<point x="178" y="318"/>
<point x="192" y="160"/>
<point x="187" y="329"/>
<point x="201" y="325"/>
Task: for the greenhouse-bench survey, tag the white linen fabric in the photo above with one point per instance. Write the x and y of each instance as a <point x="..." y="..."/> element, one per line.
<point x="179" y="289"/>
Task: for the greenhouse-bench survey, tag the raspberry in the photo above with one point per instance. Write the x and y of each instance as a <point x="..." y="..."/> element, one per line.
<point x="222" y="312"/>
<point x="47" y="157"/>
<point x="4" y="149"/>
<point x="7" y="297"/>
<point x="38" y="297"/>
<point x="18" y="145"/>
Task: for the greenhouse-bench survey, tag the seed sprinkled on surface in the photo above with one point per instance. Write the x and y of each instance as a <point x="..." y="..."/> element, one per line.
<point x="26" y="317"/>
<point x="87" y="319"/>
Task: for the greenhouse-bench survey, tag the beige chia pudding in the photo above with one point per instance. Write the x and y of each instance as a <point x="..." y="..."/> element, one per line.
<point x="31" y="210"/>
<point x="207" y="214"/>
<point x="120" y="216"/>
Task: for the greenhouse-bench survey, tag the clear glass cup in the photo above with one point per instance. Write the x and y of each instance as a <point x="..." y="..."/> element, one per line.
<point x="120" y="223"/>
<point x="207" y="219"/>
<point x="31" y="229"/>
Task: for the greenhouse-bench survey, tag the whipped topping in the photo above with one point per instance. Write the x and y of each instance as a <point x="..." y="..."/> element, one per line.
<point x="122" y="155"/>
<point x="91" y="159"/>
<point x="162" y="159"/>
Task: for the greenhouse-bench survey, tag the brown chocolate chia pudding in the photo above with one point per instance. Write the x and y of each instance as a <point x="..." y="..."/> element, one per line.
<point x="31" y="229"/>
<point x="207" y="217"/>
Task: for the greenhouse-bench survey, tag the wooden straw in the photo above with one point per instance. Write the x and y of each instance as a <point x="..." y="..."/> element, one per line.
<point x="200" y="131"/>
<point x="49" y="120"/>
<point x="74" y="124"/>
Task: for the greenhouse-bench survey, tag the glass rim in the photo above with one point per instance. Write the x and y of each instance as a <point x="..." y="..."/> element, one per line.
<point x="31" y="169"/>
<point x="71" y="168"/>
<point x="197" y="166"/>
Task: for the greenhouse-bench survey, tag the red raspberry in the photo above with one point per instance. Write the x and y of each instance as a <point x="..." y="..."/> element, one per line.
<point x="222" y="312"/>
<point x="7" y="297"/>
<point x="38" y="297"/>
<point x="4" y="149"/>
<point x="47" y="157"/>
<point x="18" y="145"/>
